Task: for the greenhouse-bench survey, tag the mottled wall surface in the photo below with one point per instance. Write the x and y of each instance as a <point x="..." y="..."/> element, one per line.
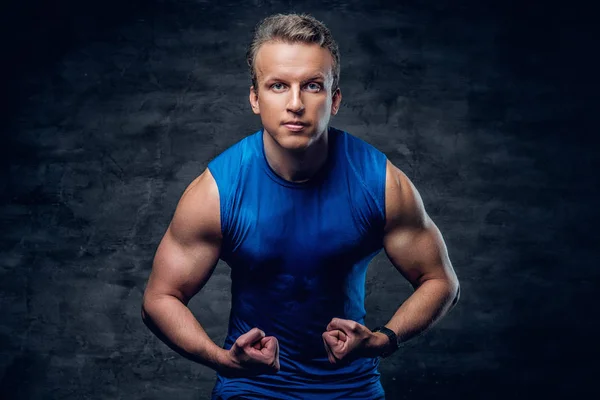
<point x="485" y="106"/>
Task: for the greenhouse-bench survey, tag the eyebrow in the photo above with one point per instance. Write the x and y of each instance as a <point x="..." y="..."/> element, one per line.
<point x="312" y="78"/>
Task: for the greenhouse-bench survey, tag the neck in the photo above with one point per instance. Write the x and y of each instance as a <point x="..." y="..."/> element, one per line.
<point x="296" y="166"/>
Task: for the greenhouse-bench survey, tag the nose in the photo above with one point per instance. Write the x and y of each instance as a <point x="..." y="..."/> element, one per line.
<point x="295" y="103"/>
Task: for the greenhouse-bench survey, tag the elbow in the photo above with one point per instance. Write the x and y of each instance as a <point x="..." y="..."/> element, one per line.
<point x="455" y="293"/>
<point x="145" y="311"/>
<point x="144" y="314"/>
<point x="153" y="307"/>
<point x="457" y="296"/>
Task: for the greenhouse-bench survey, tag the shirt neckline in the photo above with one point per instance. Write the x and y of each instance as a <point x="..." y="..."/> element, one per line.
<point x="319" y="175"/>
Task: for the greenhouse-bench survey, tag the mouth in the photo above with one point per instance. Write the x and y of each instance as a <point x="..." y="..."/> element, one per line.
<point x="295" y="125"/>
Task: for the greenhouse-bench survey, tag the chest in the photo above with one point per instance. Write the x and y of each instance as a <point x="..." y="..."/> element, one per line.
<point x="300" y="232"/>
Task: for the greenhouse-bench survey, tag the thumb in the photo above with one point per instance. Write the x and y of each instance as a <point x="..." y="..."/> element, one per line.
<point x="330" y="338"/>
<point x="268" y="343"/>
<point x="329" y="344"/>
<point x="264" y="343"/>
<point x="250" y="337"/>
<point x="339" y="324"/>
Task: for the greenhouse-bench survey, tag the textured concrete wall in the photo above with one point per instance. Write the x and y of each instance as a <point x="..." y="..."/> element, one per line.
<point x="485" y="106"/>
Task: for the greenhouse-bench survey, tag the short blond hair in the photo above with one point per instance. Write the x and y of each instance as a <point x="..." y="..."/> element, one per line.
<point x="293" y="28"/>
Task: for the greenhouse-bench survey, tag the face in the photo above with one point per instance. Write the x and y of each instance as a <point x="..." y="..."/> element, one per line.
<point x="293" y="95"/>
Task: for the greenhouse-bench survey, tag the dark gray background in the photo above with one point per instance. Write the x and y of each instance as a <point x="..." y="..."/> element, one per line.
<point x="111" y="108"/>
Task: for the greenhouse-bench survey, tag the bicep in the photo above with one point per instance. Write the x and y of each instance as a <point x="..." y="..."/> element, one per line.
<point x="181" y="270"/>
<point x="189" y="251"/>
<point x="418" y="252"/>
<point x="412" y="241"/>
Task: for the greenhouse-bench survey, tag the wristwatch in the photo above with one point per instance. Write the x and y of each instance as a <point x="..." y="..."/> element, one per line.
<point x="393" y="345"/>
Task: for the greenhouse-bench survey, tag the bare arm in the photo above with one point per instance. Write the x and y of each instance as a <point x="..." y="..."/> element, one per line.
<point x="415" y="246"/>
<point x="184" y="261"/>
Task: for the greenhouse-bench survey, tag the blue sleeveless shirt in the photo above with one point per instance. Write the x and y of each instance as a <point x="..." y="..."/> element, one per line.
<point x="298" y="254"/>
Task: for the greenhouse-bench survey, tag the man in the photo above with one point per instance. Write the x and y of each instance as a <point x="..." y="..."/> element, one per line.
<point x="297" y="210"/>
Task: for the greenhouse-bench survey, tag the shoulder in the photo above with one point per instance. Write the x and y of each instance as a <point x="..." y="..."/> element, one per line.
<point x="353" y="143"/>
<point x="366" y="166"/>
<point x="227" y="166"/>
<point x="365" y="159"/>
<point x="403" y="203"/>
<point x="238" y="152"/>
<point x="197" y="215"/>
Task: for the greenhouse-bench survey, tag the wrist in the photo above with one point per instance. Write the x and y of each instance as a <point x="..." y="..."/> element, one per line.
<point x="379" y="342"/>
<point x="224" y="360"/>
<point x="388" y="344"/>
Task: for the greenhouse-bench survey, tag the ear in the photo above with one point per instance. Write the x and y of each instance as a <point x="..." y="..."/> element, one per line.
<point x="336" y="101"/>
<point x="253" y="97"/>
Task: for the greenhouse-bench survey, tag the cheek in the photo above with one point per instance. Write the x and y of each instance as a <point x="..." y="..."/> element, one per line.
<point x="269" y="104"/>
<point x="325" y="107"/>
<point x="270" y="112"/>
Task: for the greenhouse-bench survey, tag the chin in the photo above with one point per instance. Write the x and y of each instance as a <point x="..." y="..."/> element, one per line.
<point x="291" y="140"/>
<point x="294" y="142"/>
<point x="297" y="141"/>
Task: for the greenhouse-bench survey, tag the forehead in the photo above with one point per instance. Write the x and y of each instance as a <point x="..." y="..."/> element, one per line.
<point x="292" y="60"/>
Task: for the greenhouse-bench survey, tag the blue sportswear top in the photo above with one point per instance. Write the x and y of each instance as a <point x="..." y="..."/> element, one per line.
<point x="298" y="254"/>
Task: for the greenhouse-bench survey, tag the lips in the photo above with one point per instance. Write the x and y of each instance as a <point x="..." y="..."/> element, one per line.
<point x="295" y="123"/>
<point x="295" y="126"/>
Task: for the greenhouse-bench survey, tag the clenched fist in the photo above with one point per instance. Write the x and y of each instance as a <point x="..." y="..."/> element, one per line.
<point x="253" y="353"/>
<point x="346" y="340"/>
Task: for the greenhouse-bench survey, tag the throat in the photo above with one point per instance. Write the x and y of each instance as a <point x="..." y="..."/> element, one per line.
<point x="295" y="166"/>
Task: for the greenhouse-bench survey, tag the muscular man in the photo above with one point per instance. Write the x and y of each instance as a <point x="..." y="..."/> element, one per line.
<point x="297" y="210"/>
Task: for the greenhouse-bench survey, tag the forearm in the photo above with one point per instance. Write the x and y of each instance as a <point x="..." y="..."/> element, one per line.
<point x="173" y="323"/>
<point x="429" y="302"/>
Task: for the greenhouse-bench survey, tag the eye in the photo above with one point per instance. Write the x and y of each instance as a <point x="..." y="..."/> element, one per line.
<point x="314" y="86"/>
<point x="277" y="86"/>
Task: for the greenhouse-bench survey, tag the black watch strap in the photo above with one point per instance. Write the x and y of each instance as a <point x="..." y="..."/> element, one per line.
<point x="393" y="345"/>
